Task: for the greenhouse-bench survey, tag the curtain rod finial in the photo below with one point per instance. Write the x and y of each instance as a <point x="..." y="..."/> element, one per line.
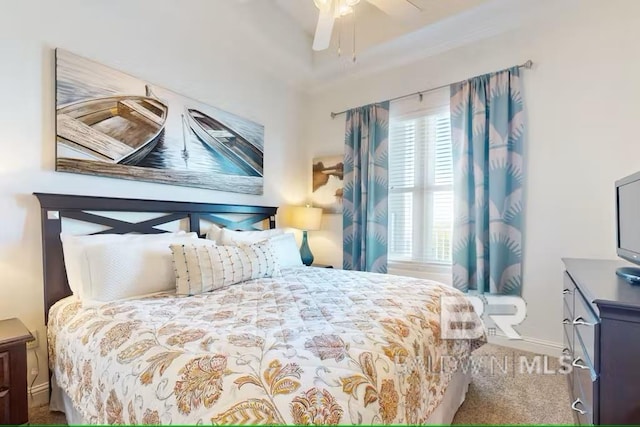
<point x="528" y="64"/>
<point x="333" y="115"/>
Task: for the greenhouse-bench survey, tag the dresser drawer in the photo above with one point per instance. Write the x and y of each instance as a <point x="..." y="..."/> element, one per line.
<point x="585" y="374"/>
<point x="581" y="404"/>
<point x="567" y="325"/>
<point x="586" y="329"/>
<point x="567" y="351"/>
<point x="568" y="292"/>
<point x="584" y="380"/>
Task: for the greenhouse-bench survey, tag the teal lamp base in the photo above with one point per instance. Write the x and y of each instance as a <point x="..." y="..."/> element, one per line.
<point x="305" y="252"/>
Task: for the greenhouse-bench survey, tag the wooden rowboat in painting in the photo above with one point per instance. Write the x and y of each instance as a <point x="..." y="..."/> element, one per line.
<point x="116" y="129"/>
<point x="226" y="142"/>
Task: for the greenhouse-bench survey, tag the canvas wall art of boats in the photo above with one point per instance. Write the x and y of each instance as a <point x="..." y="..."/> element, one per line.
<point x="118" y="129"/>
<point x="109" y="123"/>
<point x="226" y="141"/>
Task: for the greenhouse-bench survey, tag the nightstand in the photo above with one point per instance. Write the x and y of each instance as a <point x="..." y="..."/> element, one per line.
<point x="13" y="372"/>
<point x="321" y="265"/>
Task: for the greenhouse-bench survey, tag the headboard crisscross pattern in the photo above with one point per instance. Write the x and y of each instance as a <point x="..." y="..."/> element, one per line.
<point x="55" y="207"/>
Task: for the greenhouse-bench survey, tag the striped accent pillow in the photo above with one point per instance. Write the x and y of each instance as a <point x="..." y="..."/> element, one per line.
<point x="205" y="266"/>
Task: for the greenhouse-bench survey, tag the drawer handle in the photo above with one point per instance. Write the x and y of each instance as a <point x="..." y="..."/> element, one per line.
<point x="579" y="321"/>
<point x="575" y="404"/>
<point x="566" y="291"/>
<point x="4" y="391"/>
<point x="579" y="365"/>
<point x="566" y="321"/>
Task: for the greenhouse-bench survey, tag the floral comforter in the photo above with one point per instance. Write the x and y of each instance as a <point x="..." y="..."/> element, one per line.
<point x="315" y="346"/>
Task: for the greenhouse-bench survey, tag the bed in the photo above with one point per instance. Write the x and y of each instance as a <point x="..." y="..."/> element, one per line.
<point x="308" y="346"/>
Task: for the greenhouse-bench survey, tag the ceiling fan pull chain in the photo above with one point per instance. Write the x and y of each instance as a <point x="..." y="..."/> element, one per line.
<point x="339" y="37"/>
<point x="354" y="35"/>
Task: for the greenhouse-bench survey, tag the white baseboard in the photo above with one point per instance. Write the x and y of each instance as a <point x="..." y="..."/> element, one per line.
<point x="533" y="345"/>
<point x="39" y="395"/>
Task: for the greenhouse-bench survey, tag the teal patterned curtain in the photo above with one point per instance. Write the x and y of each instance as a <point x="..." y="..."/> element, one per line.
<point x="488" y="130"/>
<point x="365" y="209"/>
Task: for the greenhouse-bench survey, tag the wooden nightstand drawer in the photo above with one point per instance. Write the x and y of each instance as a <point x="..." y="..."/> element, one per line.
<point x="4" y="388"/>
<point x="4" y="369"/>
<point x="5" y="380"/>
<point x="5" y="399"/>
<point x="13" y="372"/>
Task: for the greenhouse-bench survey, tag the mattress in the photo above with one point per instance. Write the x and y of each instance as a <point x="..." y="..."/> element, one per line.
<point x="310" y="346"/>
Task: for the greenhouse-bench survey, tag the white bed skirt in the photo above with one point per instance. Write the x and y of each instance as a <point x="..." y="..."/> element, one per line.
<point x="443" y="414"/>
<point x="61" y="402"/>
<point x="452" y="400"/>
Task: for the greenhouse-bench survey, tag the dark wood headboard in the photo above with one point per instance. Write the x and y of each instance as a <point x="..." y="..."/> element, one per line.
<point x="55" y="207"/>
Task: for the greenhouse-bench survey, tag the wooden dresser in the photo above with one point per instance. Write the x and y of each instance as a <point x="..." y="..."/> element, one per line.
<point x="602" y="336"/>
<point x="13" y="372"/>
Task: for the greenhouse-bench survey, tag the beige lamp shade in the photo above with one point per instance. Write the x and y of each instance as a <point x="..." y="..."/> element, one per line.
<point x="306" y="218"/>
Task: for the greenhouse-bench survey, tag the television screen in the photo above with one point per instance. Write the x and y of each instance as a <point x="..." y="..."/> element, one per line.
<point x="629" y="217"/>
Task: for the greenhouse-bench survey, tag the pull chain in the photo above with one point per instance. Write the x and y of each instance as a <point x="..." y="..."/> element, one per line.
<point x="339" y="37"/>
<point x="354" y="36"/>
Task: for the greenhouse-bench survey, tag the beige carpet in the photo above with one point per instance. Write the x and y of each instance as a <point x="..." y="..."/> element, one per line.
<point x="513" y="397"/>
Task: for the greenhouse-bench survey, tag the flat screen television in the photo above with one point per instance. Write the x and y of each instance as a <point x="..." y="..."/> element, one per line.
<point x="628" y="225"/>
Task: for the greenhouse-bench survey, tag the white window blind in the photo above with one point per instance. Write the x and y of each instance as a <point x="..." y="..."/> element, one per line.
<point x="420" y="181"/>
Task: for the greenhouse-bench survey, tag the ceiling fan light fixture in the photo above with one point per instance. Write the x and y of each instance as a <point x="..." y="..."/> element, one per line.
<point x="345" y="7"/>
<point x="342" y="7"/>
<point x="322" y="4"/>
<point x="330" y="12"/>
<point x="344" y="10"/>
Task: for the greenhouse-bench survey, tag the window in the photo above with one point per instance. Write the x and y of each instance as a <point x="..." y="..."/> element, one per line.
<point x="420" y="181"/>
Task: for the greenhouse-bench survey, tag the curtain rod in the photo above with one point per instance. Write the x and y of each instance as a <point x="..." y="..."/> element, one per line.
<point x="526" y="65"/>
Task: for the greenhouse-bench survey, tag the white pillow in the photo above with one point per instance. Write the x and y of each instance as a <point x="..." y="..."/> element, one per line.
<point x="286" y="250"/>
<point x="73" y="249"/>
<point x="124" y="269"/>
<point x="214" y="233"/>
<point x="235" y="238"/>
<point x="205" y="267"/>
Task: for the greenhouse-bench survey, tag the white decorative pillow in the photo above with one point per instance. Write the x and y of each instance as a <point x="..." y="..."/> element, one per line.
<point x="73" y="248"/>
<point x="214" y="233"/>
<point x="286" y="250"/>
<point x="124" y="269"/>
<point x="205" y="267"/>
<point x="235" y="238"/>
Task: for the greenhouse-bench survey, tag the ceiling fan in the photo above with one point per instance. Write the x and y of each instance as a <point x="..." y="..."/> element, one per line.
<point x="330" y="10"/>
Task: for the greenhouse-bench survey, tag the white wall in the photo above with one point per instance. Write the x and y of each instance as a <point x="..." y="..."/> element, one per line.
<point x="200" y="54"/>
<point x="581" y="96"/>
<point x="582" y="100"/>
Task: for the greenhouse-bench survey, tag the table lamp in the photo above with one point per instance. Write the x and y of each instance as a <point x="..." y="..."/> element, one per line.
<point x="306" y="218"/>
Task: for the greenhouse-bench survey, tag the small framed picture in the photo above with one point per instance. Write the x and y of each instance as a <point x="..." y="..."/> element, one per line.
<point x="327" y="178"/>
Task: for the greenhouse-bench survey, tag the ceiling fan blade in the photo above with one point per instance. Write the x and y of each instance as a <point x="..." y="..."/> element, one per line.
<point x="324" y="29"/>
<point x="401" y="9"/>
